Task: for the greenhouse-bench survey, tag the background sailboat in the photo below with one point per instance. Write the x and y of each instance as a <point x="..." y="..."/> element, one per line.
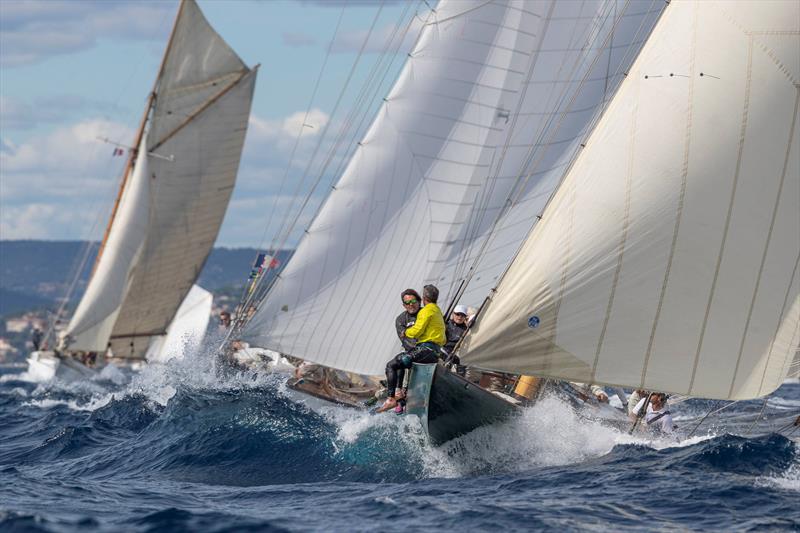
<point x="173" y="197"/>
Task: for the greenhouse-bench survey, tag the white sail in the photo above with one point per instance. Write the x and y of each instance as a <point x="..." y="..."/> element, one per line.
<point x="196" y="130"/>
<point x="667" y="259"/>
<point x="404" y="207"/>
<point x="187" y="329"/>
<point x="585" y="51"/>
<point x="91" y="324"/>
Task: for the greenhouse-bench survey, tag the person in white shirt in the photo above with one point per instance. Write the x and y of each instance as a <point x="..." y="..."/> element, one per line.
<point x="657" y="416"/>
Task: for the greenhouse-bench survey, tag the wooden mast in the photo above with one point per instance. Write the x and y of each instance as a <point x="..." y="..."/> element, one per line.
<point x="134" y="151"/>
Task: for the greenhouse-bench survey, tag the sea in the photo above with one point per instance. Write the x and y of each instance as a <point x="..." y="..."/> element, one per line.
<point x="184" y="447"/>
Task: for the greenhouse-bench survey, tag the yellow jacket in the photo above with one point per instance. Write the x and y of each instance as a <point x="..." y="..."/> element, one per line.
<point x="429" y="326"/>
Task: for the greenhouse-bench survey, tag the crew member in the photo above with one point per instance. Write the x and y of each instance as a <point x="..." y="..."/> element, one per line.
<point x="429" y="332"/>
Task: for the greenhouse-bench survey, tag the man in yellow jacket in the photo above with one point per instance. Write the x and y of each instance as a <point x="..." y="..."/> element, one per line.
<point x="429" y="331"/>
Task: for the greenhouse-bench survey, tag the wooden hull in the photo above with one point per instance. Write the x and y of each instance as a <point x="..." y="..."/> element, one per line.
<point x="450" y="406"/>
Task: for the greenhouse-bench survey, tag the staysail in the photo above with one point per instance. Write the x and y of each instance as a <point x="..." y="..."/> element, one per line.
<point x="187" y="329"/>
<point x="454" y="117"/>
<point x="192" y="146"/>
<point x="668" y="257"/>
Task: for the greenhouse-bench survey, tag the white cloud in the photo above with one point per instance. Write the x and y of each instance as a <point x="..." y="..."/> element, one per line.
<point x="16" y="114"/>
<point x="58" y="185"/>
<point x="31" y="31"/>
<point x="44" y="221"/>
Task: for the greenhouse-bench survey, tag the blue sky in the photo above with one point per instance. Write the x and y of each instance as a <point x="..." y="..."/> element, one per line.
<point x="73" y="70"/>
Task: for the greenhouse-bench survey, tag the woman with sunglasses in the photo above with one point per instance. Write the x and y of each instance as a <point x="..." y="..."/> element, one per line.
<point x="429" y="332"/>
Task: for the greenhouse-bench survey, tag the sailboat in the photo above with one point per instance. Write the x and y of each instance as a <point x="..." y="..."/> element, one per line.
<point x="620" y="178"/>
<point x="172" y="199"/>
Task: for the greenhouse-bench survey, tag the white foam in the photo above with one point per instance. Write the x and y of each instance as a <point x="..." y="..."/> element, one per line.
<point x="549" y="433"/>
<point x="790" y="480"/>
<point x="91" y="405"/>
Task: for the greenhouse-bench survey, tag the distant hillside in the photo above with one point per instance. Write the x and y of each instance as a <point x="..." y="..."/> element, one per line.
<point x="40" y="270"/>
<point x="14" y="302"/>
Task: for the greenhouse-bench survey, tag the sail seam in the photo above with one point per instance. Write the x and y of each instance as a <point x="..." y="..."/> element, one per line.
<point x="766" y="246"/>
<point x="778" y="327"/>
<point x="728" y="216"/>
<point x="687" y="146"/>
<point x="623" y="240"/>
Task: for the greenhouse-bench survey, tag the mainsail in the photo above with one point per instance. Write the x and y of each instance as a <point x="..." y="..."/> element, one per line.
<point x="668" y="257"/>
<point x="491" y="93"/>
<point x="176" y="192"/>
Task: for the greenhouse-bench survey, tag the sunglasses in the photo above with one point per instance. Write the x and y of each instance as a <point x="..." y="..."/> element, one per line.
<point x="410" y="302"/>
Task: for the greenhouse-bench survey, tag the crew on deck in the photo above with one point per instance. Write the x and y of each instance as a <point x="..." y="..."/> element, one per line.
<point x="658" y="416"/>
<point x="455" y="328"/>
<point x="429" y="332"/>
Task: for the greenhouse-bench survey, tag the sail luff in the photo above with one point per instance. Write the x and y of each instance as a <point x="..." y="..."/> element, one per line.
<point x="592" y="313"/>
<point x="137" y="140"/>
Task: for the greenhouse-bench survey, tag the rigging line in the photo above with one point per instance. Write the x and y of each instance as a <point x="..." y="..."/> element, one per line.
<point x="247" y="288"/>
<point x="481" y="209"/>
<point x="763" y="406"/>
<point x="519" y="187"/>
<point x="366" y="109"/>
<point x="704" y="418"/>
<point x="282" y="234"/>
<point x="518" y="191"/>
<point x="372" y="86"/>
<point x="285" y="178"/>
<point x="284" y="231"/>
<point x="462" y="265"/>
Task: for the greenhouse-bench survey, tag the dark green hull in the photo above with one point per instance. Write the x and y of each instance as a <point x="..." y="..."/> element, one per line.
<point x="450" y="406"/>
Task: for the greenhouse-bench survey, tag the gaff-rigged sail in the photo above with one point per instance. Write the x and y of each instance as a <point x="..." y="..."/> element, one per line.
<point x="194" y="138"/>
<point x="668" y="257"/>
<point x="393" y="219"/>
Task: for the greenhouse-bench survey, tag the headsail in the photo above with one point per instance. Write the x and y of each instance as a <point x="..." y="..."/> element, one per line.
<point x="187" y="329"/>
<point x="195" y="135"/>
<point x="668" y="258"/>
<point x="411" y="188"/>
<point x="93" y="320"/>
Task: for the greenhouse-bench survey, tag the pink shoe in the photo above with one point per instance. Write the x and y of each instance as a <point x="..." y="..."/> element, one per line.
<point x="390" y="403"/>
<point x="399" y="409"/>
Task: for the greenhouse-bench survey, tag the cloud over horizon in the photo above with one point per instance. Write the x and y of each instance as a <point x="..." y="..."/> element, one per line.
<point x="31" y="32"/>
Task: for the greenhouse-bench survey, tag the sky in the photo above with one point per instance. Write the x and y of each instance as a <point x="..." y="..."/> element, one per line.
<point x="73" y="70"/>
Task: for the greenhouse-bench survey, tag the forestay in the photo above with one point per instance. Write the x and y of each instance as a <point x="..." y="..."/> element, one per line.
<point x="404" y="207"/>
<point x="668" y="257"/>
<point x="195" y="136"/>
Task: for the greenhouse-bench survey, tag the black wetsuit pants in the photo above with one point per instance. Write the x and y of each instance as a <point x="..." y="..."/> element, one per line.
<point x="424" y="353"/>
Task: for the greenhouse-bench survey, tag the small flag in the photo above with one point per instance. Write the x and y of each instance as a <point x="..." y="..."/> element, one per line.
<point x="259" y="261"/>
<point x="118" y="151"/>
<point x="274" y="263"/>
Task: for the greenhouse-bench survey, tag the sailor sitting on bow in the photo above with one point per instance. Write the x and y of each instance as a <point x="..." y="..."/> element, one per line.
<point x="429" y="332"/>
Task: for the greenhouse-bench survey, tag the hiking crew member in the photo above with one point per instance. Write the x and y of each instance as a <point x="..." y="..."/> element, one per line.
<point x="658" y="416"/>
<point x="429" y="332"/>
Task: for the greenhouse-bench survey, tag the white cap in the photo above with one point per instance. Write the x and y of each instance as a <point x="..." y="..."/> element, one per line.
<point x="460" y="309"/>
